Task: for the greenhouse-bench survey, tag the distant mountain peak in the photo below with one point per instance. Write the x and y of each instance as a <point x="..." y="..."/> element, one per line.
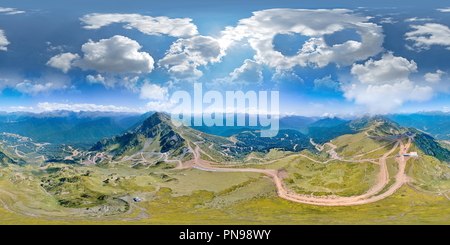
<point x="153" y="120"/>
<point x="328" y="122"/>
<point x="162" y="116"/>
<point x="155" y="127"/>
<point x="368" y="120"/>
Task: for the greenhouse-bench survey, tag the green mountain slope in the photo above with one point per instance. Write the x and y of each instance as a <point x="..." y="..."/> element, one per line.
<point x="157" y="135"/>
<point x="430" y="146"/>
<point x="155" y="131"/>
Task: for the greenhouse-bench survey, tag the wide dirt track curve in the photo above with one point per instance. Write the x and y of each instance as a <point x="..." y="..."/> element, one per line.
<point x="332" y="200"/>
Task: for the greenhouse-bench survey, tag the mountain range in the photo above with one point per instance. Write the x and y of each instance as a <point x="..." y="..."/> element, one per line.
<point x="88" y="127"/>
<point x="104" y="164"/>
<point x="436" y="123"/>
<point x="67" y="126"/>
<point x="127" y="134"/>
<point x="158" y="134"/>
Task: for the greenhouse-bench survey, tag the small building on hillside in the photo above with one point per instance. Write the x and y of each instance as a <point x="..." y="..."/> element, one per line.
<point x="411" y="154"/>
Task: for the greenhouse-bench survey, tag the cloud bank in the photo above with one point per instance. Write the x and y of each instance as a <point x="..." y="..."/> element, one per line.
<point x="47" y="106"/>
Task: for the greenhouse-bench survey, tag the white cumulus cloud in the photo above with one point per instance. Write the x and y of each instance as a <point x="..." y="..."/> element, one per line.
<point x="382" y="99"/>
<point x="326" y="84"/>
<point x="261" y="28"/>
<point x="165" y="106"/>
<point x="185" y="55"/>
<point x="429" y="34"/>
<point x="249" y="73"/>
<point x="287" y="76"/>
<point x="287" y="80"/>
<point x="434" y="77"/>
<point x="384" y="84"/>
<point x="153" y="92"/>
<point x="158" y="96"/>
<point x="115" y="55"/>
<point x="95" y="79"/>
<point x="3" y="41"/>
<point x="44" y="85"/>
<point x="176" y="27"/>
<point x="386" y="70"/>
<point x="63" y="61"/>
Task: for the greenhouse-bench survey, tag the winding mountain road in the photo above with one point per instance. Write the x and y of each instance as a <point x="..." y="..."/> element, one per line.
<point x="331" y="200"/>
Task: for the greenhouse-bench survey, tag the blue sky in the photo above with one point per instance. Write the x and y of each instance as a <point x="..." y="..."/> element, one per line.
<point x="342" y="58"/>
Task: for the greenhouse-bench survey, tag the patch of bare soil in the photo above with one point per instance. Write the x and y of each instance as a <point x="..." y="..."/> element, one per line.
<point x="282" y="174"/>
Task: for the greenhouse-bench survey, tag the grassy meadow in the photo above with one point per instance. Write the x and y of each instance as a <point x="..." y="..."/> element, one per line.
<point x="202" y="197"/>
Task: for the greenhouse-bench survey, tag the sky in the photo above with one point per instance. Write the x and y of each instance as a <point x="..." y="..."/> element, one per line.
<point x="324" y="58"/>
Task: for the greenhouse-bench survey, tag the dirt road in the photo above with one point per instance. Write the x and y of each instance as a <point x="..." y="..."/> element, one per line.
<point x="332" y="200"/>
